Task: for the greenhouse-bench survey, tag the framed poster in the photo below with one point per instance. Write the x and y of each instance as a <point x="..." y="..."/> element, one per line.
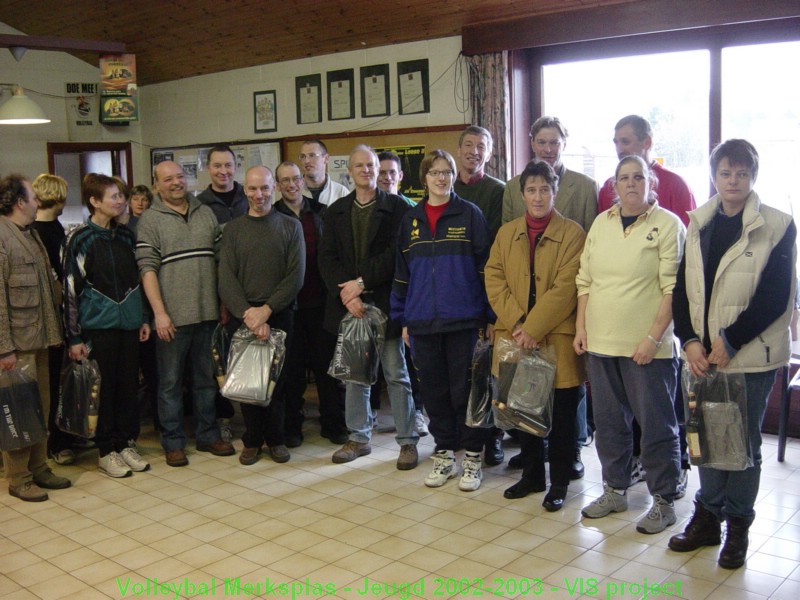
<point x="308" y="91"/>
<point x="375" y="91"/>
<point x="265" y="111"/>
<point x="413" y="87"/>
<point x="341" y="95"/>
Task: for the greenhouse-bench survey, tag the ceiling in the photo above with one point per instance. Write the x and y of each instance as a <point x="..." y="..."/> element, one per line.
<point x="173" y="39"/>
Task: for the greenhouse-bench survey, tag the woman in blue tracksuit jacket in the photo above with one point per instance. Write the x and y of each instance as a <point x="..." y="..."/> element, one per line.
<point x="104" y="314"/>
<point x="439" y="297"/>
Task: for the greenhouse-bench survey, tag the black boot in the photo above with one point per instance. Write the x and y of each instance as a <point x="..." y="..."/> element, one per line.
<point x="703" y="530"/>
<point x="736" y="539"/>
<point x="577" y="466"/>
<point x="493" y="454"/>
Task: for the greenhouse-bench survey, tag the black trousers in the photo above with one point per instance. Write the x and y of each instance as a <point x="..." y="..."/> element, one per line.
<point x="561" y="441"/>
<point x="117" y="354"/>
<point x="264" y="425"/>
<point x="444" y="362"/>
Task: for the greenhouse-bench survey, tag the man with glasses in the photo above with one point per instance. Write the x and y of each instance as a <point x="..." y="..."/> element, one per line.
<point x="311" y="343"/>
<point x="317" y="184"/>
<point x="486" y="192"/>
<point x="357" y="260"/>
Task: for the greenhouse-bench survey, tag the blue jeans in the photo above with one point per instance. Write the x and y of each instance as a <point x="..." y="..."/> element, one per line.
<point x="733" y="493"/>
<point x="192" y="342"/>
<point x="357" y="409"/>
<point x="622" y="390"/>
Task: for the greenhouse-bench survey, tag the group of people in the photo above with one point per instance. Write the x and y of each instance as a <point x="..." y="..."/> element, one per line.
<point x="616" y="297"/>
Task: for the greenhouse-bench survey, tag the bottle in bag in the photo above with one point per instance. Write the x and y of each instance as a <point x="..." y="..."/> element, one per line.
<point x="219" y="371"/>
<point x="94" y="403"/>
<point x="695" y="434"/>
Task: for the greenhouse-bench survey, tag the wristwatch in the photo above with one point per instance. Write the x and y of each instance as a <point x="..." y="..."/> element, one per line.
<point x="360" y="282"/>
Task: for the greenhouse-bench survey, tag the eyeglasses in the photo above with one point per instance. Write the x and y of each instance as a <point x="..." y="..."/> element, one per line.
<point x="436" y="174"/>
<point x="310" y="156"/>
<point x="286" y="180"/>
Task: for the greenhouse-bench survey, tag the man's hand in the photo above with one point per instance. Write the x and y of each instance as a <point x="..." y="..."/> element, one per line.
<point x="164" y="328"/>
<point x="9" y="363"/>
<point x="406" y="339"/>
<point x="262" y="332"/>
<point x="255" y="316"/>
<point x="349" y="290"/>
<point x="355" y="307"/>
<point x="144" y="332"/>
<point x="78" y="351"/>
<point x="224" y="314"/>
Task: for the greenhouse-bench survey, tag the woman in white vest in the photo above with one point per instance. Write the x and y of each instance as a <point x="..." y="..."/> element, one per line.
<point x="732" y="305"/>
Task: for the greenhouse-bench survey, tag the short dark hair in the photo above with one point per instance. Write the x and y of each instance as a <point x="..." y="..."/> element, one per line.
<point x="95" y="186"/>
<point x="738" y="152"/>
<point x="316" y="141"/>
<point x="389" y="155"/>
<point x="476" y="130"/>
<point x="220" y="148"/>
<point x="543" y="122"/>
<point x="641" y="126"/>
<point x="142" y="190"/>
<point x="122" y="186"/>
<point x="12" y="189"/>
<point x="286" y="164"/>
<point x="539" y="168"/>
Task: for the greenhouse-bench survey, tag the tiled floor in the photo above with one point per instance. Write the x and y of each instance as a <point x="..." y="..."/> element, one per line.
<point x="320" y="528"/>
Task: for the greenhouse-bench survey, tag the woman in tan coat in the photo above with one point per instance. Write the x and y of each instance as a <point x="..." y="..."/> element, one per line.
<point x="530" y="282"/>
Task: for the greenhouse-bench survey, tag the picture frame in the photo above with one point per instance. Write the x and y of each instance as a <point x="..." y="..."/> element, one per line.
<point x="308" y="92"/>
<point x="265" y="111"/>
<point x="341" y="95"/>
<point x="375" y="91"/>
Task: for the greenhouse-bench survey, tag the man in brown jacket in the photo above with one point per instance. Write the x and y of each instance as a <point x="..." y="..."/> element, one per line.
<point x="29" y="324"/>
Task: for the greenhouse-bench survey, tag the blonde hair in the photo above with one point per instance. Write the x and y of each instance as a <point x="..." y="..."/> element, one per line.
<point x="50" y="189"/>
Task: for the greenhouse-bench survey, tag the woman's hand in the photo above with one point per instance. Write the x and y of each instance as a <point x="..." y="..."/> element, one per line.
<point x="524" y="340"/>
<point x="78" y="351"/>
<point x="580" y="343"/>
<point x="406" y="339"/>
<point x="696" y="358"/>
<point x="645" y="352"/>
<point x="719" y="354"/>
<point x="144" y="332"/>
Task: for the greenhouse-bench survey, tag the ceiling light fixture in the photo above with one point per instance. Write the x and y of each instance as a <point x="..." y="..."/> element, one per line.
<point x="19" y="109"/>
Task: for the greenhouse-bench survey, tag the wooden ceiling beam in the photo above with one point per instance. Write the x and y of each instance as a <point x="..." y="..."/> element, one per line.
<point x="38" y="42"/>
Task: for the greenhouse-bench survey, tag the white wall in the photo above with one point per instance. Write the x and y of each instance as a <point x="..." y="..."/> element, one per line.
<point x="218" y="107"/>
<point x="23" y="148"/>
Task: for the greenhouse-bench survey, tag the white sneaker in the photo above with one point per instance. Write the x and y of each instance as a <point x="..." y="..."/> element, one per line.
<point x="134" y="460"/>
<point x="114" y="466"/>
<point x="420" y="425"/>
<point x="444" y="468"/>
<point x="471" y="479"/>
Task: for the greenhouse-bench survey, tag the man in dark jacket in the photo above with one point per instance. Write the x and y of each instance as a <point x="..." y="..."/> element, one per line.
<point x="356" y="261"/>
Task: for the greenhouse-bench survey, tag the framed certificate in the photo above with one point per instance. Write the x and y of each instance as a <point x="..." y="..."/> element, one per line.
<point x="375" y="91"/>
<point x="413" y="87"/>
<point x="341" y="95"/>
<point x="308" y="90"/>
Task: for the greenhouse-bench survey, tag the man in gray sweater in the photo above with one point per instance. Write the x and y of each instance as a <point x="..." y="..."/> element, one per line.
<point x="261" y="269"/>
<point x="177" y="240"/>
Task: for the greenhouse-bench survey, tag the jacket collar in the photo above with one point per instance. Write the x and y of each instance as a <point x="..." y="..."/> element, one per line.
<point x="554" y="231"/>
<point x="751" y="214"/>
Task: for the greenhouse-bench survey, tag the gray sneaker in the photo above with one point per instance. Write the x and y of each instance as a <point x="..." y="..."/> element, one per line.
<point x="683" y="481"/>
<point x="661" y="516"/>
<point x="609" y="502"/>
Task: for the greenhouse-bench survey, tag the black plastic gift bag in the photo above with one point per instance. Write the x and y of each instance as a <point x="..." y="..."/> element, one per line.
<point x="358" y="347"/>
<point x="479" y="407"/>
<point x="20" y="410"/>
<point x="79" y="401"/>
<point x="220" y="346"/>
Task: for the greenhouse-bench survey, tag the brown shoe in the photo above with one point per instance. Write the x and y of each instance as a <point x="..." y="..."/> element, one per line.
<point x="50" y="481"/>
<point x="177" y="458"/>
<point x="28" y="491"/>
<point x="280" y="453"/>
<point x="218" y="448"/>
<point x="351" y="451"/>
<point x="249" y="456"/>
<point x="408" y="458"/>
